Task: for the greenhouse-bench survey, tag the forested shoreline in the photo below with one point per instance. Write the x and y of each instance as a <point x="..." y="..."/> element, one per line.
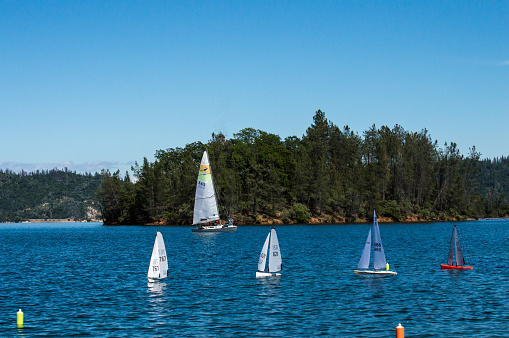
<point x="48" y="194"/>
<point x="329" y="175"/>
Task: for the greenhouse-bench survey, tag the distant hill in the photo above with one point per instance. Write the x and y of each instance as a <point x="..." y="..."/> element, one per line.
<point x="48" y="194"/>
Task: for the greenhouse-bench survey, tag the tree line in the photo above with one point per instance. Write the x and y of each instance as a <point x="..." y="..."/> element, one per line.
<point x="330" y="173"/>
<point x="47" y="194"/>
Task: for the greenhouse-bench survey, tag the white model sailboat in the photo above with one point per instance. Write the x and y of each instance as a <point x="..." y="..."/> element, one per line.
<point x="275" y="260"/>
<point x="158" y="268"/>
<point x="206" y="213"/>
<point x="379" y="261"/>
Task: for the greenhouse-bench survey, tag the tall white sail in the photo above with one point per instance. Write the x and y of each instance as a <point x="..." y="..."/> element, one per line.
<point x="378" y="249"/>
<point x="158" y="267"/>
<point x="263" y="255"/>
<point x="366" y="253"/>
<point x="205" y="204"/>
<point x="275" y="261"/>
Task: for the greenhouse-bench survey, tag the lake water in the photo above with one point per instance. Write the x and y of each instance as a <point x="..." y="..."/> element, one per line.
<point x="89" y="280"/>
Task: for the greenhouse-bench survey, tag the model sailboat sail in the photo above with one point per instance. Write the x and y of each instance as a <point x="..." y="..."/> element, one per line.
<point x="366" y="253"/>
<point x="455" y="251"/>
<point x="274" y="255"/>
<point x="205" y="202"/>
<point x="158" y="268"/>
<point x="379" y="261"/>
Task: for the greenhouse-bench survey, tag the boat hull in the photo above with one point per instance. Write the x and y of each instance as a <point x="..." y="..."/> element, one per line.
<point x="266" y="274"/>
<point x="214" y="228"/>
<point x="450" y="267"/>
<point x="376" y="272"/>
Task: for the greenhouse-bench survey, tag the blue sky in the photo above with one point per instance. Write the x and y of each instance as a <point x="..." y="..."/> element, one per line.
<point x="92" y="84"/>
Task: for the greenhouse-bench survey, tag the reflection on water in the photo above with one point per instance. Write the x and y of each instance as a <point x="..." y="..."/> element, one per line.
<point x="207" y="235"/>
<point x="156" y="289"/>
<point x="20" y="332"/>
<point x="375" y="284"/>
<point x="157" y="299"/>
<point x="269" y="283"/>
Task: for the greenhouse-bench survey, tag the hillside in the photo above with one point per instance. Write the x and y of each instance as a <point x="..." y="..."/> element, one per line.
<point x="50" y="194"/>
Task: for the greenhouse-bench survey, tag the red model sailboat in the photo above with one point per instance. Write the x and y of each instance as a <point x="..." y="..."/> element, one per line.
<point x="455" y="250"/>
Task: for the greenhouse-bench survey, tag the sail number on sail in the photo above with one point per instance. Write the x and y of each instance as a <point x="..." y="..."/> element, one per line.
<point x="262" y="258"/>
<point x="377" y="247"/>
<point x="275" y="253"/>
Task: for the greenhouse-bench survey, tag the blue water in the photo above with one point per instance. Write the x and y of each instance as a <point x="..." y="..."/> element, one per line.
<point x="89" y="280"/>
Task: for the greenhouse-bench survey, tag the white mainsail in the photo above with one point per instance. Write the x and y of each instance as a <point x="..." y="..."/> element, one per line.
<point x="275" y="261"/>
<point x="366" y="253"/>
<point x="263" y="255"/>
<point x="158" y="267"/>
<point x="378" y="249"/>
<point x="205" y="203"/>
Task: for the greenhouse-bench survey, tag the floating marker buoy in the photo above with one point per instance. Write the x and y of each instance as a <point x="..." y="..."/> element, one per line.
<point x="19" y="318"/>
<point x="400" y="331"/>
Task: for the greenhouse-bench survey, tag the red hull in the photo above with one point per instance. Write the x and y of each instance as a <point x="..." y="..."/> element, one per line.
<point x="445" y="266"/>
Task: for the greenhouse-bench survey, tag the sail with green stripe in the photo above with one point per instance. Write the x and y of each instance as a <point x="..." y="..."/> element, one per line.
<point x="205" y="202"/>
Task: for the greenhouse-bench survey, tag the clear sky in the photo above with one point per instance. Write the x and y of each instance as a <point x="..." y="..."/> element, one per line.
<point x="92" y="84"/>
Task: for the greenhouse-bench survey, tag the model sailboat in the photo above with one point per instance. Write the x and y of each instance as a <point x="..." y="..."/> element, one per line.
<point x="275" y="260"/>
<point x="379" y="261"/>
<point x="206" y="213"/>
<point x="455" y="250"/>
<point x="158" y="268"/>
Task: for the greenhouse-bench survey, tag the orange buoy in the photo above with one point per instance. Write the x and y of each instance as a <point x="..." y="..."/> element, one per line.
<point x="400" y="331"/>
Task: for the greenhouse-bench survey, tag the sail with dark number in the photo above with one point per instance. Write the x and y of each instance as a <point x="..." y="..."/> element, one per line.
<point x="263" y="254"/>
<point x="158" y="268"/>
<point x="206" y="212"/>
<point x="205" y="203"/>
<point x="380" y="266"/>
<point x="275" y="261"/>
<point x="273" y="256"/>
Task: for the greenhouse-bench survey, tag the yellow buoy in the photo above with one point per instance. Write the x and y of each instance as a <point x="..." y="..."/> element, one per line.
<point x="400" y="331"/>
<point x="19" y="318"/>
<point x="387" y="266"/>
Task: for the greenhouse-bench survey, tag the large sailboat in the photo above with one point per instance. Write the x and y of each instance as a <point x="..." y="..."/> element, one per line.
<point x="380" y="265"/>
<point x="455" y="250"/>
<point x="206" y="214"/>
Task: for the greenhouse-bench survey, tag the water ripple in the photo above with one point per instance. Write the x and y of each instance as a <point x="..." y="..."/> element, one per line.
<point x="74" y="280"/>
